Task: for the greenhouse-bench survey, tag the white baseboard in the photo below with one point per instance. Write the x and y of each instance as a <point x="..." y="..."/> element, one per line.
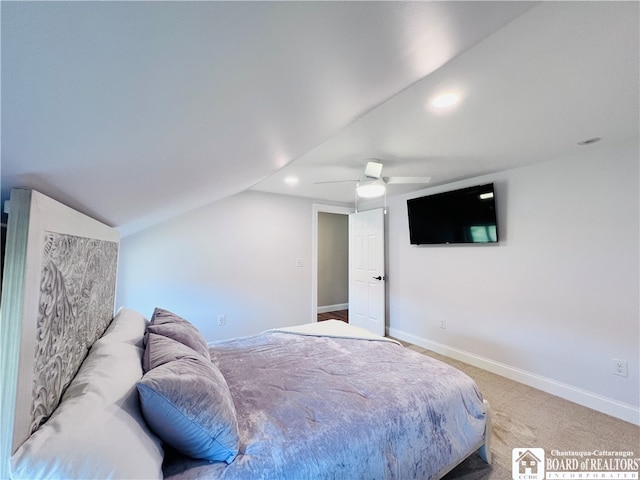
<point x="609" y="406"/>
<point x="333" y="308"/>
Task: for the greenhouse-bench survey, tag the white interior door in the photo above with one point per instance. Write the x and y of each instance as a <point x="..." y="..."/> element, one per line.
<point x="366" y="270"/>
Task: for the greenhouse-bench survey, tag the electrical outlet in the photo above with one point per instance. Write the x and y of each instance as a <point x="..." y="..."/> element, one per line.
<point x="443" y="322"/>
<point x="619" y="367"/>
<point x="222" y="320"/>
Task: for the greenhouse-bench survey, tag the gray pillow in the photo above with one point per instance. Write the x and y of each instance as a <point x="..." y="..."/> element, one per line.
<point x="187" y="403"/>
<point x="170" y="325"/>
<point x="160" y="350"/>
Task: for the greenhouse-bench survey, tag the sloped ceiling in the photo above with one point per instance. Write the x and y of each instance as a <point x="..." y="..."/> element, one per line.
<point x="135" y="112"/>
<point x="561" y="73"/>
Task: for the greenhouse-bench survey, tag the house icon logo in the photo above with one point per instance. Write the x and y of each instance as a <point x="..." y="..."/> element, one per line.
<point x="528" y="463"/>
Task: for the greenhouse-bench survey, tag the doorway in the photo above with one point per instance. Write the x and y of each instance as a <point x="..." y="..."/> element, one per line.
<point x="330" y="262"/>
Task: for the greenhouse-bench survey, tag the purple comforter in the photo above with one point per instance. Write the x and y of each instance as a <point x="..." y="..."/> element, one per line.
<point x="337" y="408"/>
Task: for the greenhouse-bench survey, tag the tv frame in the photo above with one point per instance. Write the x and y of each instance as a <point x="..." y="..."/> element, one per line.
<point x="464" y="238"/>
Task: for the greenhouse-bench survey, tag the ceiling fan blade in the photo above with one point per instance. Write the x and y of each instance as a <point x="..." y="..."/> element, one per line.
<point x="334" y="181"/>
<point x="406" y="180"/>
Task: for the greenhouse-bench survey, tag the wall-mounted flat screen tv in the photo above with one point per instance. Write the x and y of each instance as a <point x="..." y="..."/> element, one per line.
<point x="467" y="215"/>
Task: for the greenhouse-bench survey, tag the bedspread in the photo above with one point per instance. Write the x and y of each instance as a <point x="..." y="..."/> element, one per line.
<point x="340" y="408"/>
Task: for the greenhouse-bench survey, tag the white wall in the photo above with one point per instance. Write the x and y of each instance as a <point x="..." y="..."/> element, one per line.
<point x="555" y="300"/>
<point x="235" y="257"/>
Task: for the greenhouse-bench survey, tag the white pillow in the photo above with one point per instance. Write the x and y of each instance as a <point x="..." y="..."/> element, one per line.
<point x="97" y="431"/>
<point x="128" y="326"/>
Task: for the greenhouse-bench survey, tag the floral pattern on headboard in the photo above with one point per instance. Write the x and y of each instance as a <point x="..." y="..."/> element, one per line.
<point x="77" y="295"/>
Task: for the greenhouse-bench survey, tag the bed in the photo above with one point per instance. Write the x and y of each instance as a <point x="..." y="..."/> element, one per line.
<point x="150" y="398"/>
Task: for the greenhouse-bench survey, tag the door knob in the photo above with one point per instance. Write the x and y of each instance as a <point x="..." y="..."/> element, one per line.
<point x="379" y="277"/>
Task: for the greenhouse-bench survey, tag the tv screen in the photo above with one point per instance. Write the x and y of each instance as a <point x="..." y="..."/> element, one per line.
<point x="467" y="215"/>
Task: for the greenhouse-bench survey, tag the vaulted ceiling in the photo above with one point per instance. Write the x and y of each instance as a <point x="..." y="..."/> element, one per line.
<point x="135" y="112"/>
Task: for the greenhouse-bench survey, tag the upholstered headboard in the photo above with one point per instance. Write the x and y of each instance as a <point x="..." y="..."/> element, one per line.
<point x="58" y="297"/>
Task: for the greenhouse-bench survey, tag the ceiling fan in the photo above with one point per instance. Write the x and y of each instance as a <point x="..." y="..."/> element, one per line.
<point x="371" y="184"/>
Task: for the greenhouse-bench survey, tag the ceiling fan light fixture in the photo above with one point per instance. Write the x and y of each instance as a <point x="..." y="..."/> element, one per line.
<point x="373" y="189"/>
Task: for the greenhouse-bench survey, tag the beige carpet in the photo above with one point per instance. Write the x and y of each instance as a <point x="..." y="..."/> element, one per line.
<point x="530" y="418"/>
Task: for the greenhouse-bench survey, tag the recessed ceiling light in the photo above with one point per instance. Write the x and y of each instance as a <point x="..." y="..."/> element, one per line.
<point x="445" y="100"/>
<point x="291" y="180"/>
<point x="590" y="141"/>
